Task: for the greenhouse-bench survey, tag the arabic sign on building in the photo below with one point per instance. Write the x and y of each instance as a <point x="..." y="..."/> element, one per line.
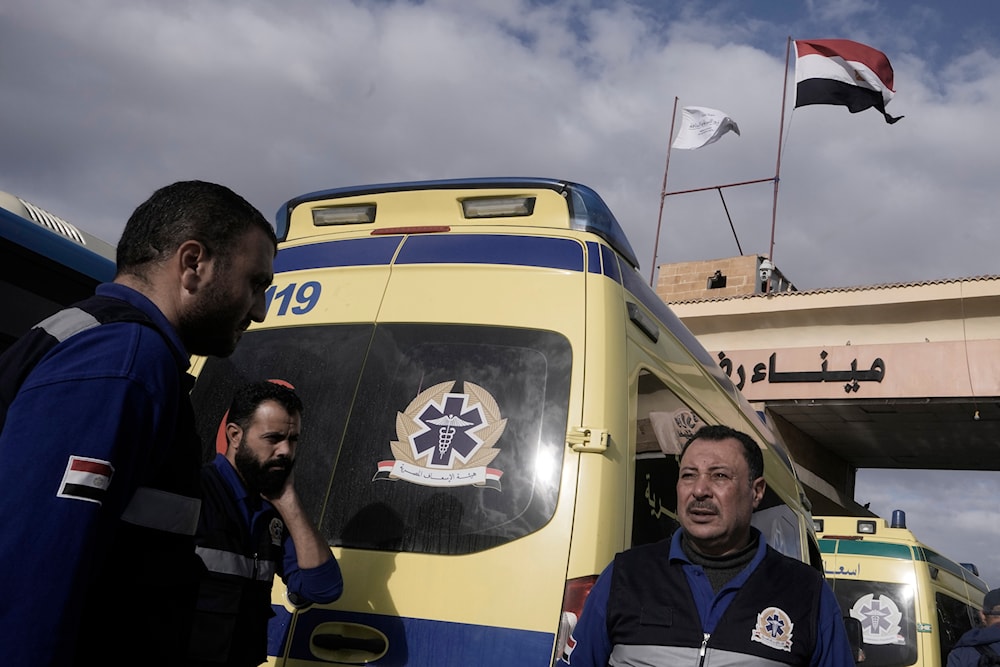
<point x="917" y="370"/>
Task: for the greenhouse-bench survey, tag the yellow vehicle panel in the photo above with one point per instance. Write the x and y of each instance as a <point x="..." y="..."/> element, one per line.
<point x="493" y="403"/>
<point x="913" y="603"/>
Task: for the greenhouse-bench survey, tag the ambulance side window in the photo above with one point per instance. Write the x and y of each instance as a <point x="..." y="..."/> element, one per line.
<point x="955" y="619"/>
<point x="663" y="425"/>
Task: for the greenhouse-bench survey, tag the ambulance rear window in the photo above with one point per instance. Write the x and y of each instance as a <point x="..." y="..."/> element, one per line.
<point x="428" y="438"/>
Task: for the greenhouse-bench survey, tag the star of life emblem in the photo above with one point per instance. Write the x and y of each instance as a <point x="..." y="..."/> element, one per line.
<point x="446" y="439"/>
<point x="880" y="619"/>
<point x="774" y="629"/>
<point x="276" y="529"/>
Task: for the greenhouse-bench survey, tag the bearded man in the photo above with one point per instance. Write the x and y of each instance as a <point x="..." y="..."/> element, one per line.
<point x="253" y="527"/>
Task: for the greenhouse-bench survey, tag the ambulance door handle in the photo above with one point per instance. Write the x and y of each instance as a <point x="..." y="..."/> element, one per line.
<point x="342" y="643"/>
<point x="348" y="643"/>
<point x="586" y="439"/>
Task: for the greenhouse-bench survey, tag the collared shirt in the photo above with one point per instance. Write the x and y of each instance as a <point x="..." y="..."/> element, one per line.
<point x="140" y="301"/>
<point x="711" y="605"/>
<point x="318" y="584"/>
<point x="591" y="646"/>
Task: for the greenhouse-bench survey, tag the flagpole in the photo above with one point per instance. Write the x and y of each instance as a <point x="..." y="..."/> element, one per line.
<point x="777" y="166"/>
<point x="663" y="195"/>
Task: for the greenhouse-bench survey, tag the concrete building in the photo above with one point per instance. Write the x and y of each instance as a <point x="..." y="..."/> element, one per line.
<point x="884" y="376"/>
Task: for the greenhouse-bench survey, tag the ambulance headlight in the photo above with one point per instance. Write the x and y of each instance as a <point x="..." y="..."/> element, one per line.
<point x="866" y="527"/>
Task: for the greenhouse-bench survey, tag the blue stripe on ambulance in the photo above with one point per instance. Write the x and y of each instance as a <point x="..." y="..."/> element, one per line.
<point x="593" y="257"/>
<point x="373" y="251"/>
<point x="277" y="630"/>
<point x="539" y="251"/>
<point x="425" y="642"/>
<point x="609" y="262"/>
<point x="503" y="249"/>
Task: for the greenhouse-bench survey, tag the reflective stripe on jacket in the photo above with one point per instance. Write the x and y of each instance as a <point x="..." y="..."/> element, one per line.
<point x="652" y="617"/>
<point x="234" y="600"/>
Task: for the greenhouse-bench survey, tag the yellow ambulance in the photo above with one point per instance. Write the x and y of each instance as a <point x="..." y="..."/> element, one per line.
<point x="494" y="398"/>
<point x="912" y="602"/>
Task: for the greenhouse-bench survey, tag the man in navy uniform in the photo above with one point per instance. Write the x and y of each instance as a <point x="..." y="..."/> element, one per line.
<point x="981" y="643"/>
<point x="254" y="527"/>
<point x="714" y="593"/>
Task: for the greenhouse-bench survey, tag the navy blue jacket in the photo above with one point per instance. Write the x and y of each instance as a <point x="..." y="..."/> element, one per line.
<point x="101" y="423"/>
<point x="964" y="653"/>
<point x="243" y="544"/>
<point x="592" y="644"/>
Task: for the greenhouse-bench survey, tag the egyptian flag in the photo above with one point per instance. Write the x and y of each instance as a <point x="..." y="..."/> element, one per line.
<point x="842" y="72"/>
<point x="86" y="479"/>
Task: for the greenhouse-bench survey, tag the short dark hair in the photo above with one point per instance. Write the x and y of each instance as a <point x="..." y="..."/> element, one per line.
<point x="718" y="432"/>
<point x="248" y="398"/>
<point x="209" y="213"/>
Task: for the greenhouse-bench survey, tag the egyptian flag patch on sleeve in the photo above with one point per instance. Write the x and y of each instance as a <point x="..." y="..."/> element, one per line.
<point x="86" y="479"/>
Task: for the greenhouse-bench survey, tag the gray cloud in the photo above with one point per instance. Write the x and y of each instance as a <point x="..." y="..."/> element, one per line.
<point x="106" y="100"/>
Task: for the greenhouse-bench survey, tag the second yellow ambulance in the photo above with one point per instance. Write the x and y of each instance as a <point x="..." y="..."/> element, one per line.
<point x="912" y="602"/>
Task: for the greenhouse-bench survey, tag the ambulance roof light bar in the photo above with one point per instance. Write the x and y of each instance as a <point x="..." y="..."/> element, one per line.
<point x="497" y="207"/>
<point x="350" y="214"/>
<point x="866" y="526"/>
<point x="588" y="212"/>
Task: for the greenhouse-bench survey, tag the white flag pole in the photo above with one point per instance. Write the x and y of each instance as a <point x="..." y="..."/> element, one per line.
<point x="777" y="166"/>
<point x="663" y="195"/>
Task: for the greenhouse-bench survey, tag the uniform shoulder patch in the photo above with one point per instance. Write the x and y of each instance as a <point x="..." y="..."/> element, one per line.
<point x="774" y="628"/>
<point x="86" y="479"/>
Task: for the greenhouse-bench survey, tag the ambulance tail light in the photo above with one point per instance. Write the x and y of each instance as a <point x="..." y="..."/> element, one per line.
<point x="497" y="207"/>
<point x="574" y="596"/>
<point x="418" y="229"/>
<point x="349" y="214"/>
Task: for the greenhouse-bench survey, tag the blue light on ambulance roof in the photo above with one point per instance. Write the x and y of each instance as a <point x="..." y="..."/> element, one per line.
<point x="588" y="212"/>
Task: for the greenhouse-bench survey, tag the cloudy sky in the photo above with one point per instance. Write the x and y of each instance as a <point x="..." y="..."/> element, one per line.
<point x="106" y="100"/>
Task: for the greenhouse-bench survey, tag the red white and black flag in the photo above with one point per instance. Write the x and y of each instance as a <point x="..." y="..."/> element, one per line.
<point x="86" y="479"/>
<point x="842" y="72"/>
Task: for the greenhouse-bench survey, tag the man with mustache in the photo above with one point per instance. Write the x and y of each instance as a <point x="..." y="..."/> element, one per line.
<point x="714" y="593"/>
<point x="252" y="527"/>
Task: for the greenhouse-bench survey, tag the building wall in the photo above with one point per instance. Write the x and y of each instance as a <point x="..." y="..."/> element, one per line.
<point x="865" y="351"/>
<point x="686" y="281"/>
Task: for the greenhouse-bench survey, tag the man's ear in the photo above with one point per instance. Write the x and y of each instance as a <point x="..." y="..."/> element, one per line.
<point x="193" y="263"/>
<point x="758" y="486"/>
<point x="233" y="435"/>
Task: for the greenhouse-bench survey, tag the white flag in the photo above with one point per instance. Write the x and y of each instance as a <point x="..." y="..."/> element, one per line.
<point x="701" y="126"/>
